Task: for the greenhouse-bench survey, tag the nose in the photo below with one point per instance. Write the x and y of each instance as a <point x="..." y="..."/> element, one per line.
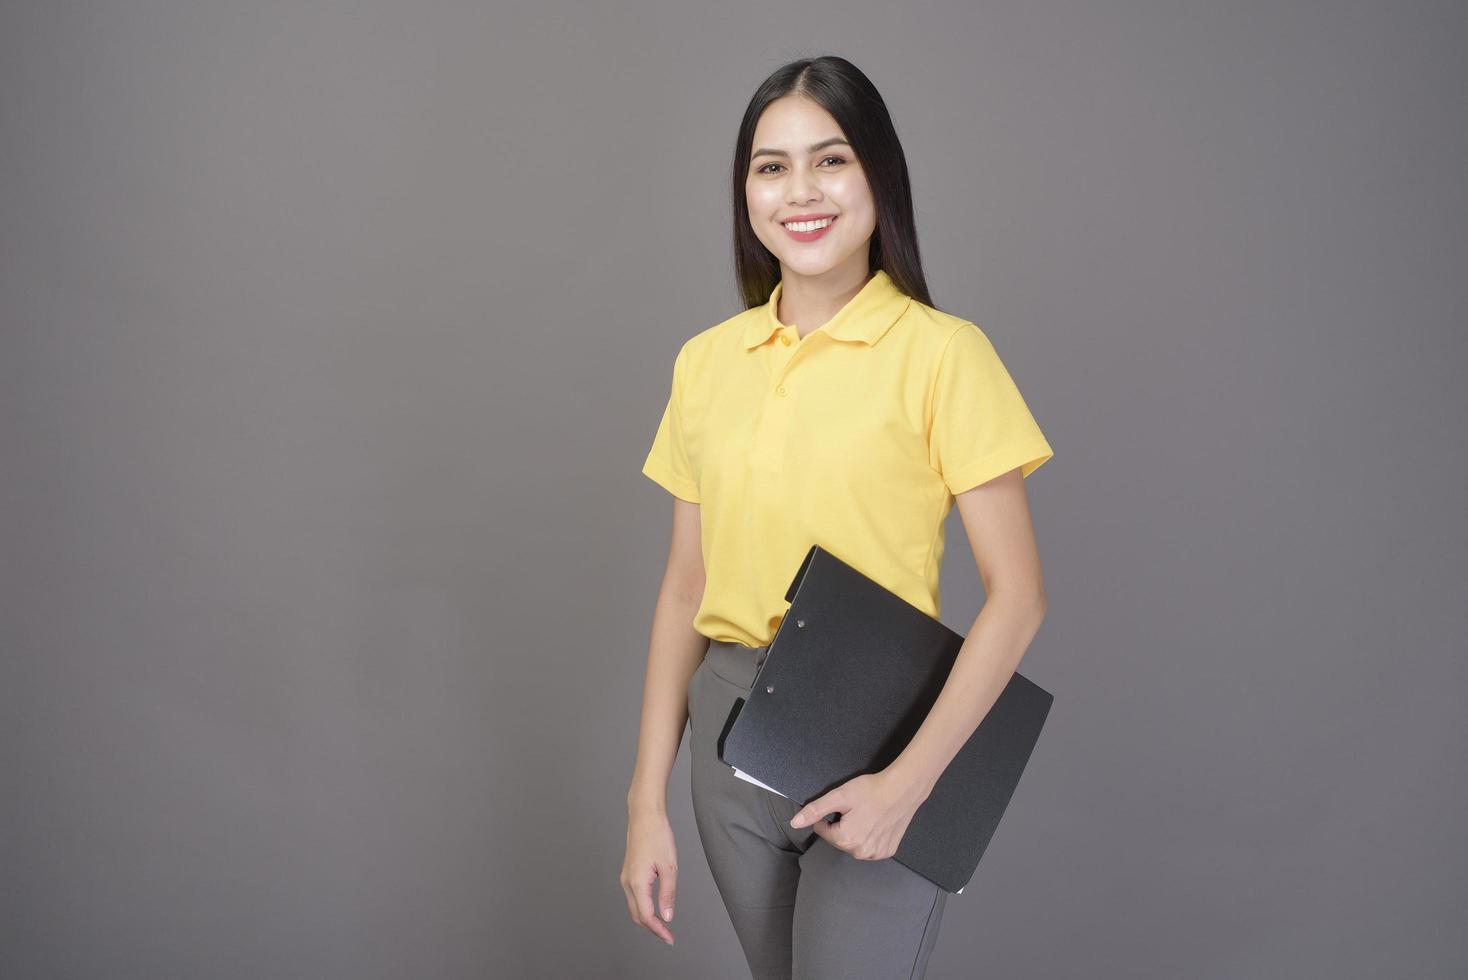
<point x="802" y="188"/>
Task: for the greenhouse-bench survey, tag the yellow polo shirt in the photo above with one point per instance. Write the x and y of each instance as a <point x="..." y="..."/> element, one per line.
<point x="855" y="437"/>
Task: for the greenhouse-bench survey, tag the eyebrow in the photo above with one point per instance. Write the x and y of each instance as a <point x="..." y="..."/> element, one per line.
<point x="814" y="147"/>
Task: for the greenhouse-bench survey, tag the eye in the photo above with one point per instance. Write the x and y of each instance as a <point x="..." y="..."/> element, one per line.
<point x="766" y="168"/>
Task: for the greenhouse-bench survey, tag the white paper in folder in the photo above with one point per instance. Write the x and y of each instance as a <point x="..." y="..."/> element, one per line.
<point x="750" y="779"/>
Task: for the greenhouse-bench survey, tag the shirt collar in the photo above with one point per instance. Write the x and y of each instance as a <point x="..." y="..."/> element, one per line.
<point x="865" y="317"/>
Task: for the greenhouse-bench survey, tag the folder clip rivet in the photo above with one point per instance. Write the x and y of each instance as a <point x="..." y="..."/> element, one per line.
<point x="769" y="689"/>
<point x="800" y="622"/>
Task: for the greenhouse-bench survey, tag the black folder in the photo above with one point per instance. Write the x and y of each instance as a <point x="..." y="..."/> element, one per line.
<point x="848" y="678"/>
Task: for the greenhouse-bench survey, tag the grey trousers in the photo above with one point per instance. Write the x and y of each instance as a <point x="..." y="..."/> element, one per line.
<point x="802" y="908"/>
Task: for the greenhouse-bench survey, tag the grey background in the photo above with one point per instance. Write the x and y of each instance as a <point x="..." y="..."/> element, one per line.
<point x="335" y="335"/>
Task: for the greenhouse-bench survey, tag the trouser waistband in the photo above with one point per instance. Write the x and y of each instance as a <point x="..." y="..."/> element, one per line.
<point x="735" y="662"/>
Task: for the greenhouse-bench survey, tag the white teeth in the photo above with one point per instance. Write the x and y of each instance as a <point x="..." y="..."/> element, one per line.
<point x="808" y="225"/>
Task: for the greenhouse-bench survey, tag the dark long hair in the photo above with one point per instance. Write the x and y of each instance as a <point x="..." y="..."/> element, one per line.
<point x="853" y="101"/>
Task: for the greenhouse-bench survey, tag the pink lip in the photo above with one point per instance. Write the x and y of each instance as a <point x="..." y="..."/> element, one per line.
<point x="810" y="236"/>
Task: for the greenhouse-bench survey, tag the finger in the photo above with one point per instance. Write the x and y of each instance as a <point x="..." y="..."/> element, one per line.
<point x="813" y="811"/>
<point x="668" y="890"/>
<point x="631" y="897"/>
<point x="645" y="913"/>
<point x="836" y="835"/>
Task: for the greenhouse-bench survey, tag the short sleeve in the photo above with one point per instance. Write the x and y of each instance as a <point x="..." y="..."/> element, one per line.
<point x="667" y="462"/>
<point x="979" y="427"/>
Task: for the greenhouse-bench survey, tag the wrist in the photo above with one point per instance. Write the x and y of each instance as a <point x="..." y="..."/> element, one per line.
<point x="645" y="800"/>
<point x="914" y="781"/>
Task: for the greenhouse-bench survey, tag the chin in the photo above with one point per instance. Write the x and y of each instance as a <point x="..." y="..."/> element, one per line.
<point x="812" y="265"/>
<point x="811" y="270"/>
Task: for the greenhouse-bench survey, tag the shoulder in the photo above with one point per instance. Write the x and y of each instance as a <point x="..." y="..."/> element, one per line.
<point x="930" y="333"/>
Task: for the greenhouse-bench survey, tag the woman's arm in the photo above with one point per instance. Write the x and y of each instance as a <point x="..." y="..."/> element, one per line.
<point x="674" y="653"/>
<point x="876" y="808"/>
<point x="996" y="516"/>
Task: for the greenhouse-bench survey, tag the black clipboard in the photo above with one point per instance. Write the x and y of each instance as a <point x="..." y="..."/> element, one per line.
<point x="848" y="678"/>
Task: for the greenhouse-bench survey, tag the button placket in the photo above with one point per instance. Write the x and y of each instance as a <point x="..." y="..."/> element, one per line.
<point x="780" y="407"/>
<point x="773" y="429"/>
<point x="796" y="348"/>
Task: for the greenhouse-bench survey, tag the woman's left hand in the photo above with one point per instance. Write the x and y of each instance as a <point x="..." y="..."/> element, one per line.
<point x="875" y="810"/>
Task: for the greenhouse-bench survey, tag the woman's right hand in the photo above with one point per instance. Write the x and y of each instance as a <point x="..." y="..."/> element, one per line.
<point x="651" y="856"/>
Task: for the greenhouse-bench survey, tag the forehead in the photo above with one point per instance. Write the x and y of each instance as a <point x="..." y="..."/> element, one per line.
<point x="793" y="123"/>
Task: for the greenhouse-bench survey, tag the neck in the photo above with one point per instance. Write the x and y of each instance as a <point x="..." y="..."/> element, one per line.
<point x="808" y="302"/>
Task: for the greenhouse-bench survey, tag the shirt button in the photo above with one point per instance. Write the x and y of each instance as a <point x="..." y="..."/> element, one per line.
<point x="780" y="391"/>
<point x="785" y="339"/>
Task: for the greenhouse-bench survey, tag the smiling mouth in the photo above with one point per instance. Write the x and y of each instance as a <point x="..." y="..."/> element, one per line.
<point x="809" y="231"/>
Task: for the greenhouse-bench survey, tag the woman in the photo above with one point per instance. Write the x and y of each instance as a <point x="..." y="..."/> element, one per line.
<point x="840" y="408"/>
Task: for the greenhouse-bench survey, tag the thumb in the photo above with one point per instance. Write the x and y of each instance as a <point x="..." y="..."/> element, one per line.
<point x="815" y="810"/>
<point x="667" y="891"/>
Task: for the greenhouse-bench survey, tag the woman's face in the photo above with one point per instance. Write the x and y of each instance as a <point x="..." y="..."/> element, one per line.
<point x="802" y="167"/>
